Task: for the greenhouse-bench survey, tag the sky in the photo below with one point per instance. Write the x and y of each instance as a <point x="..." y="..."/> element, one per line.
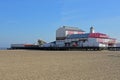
<point x="26" y="21"/>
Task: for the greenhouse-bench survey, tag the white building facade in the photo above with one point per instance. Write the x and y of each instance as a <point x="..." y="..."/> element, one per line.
<point x="64" y="31"/>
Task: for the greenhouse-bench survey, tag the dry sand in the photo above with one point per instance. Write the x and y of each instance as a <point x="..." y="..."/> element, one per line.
<point x="59" y="65"/>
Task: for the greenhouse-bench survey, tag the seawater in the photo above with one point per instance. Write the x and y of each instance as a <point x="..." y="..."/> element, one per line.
<point x="2" y="48"/>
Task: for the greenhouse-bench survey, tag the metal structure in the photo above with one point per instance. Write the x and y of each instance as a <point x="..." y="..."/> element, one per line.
<point x="41" y="42"/>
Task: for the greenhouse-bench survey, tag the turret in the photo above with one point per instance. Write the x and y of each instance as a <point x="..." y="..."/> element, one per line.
<point x="92" y="30"/>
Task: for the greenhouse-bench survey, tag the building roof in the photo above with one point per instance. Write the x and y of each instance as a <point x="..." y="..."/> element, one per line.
<point x="98" y="35"/>
<point x="72" y="28"/>
<point x="88" y="35"/>
<point x="73" y="36"/>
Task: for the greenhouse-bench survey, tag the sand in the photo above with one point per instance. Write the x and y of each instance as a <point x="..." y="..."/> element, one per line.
<point x="59" y="65"/>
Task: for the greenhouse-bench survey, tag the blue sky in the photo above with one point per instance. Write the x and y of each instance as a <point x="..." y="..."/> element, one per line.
<point x="25" y="21"/>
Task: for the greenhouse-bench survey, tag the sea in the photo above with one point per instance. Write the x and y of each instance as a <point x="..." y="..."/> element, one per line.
<point x="3" y="48"/>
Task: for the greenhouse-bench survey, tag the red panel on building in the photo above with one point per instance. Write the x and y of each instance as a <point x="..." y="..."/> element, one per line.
<point x="80" y="32"/>
<point x="75" y="32"/>
<point x="70" y="32"/>
<point x="28" y="45"/>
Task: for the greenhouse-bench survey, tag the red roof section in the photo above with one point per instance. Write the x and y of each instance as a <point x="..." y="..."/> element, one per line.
<point x="98" y="35"/>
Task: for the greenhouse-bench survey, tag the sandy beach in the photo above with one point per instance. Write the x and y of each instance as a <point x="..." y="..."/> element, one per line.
<point x="59" y="65"/>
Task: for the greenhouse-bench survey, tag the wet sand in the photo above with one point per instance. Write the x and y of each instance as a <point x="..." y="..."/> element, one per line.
<point x="59" y="65"/>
